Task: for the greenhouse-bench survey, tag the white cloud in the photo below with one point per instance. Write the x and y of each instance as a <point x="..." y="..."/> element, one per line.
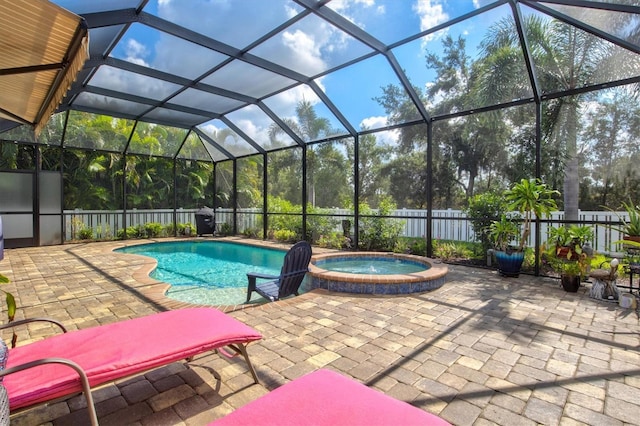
<point x="387" y="137"/>
<point x="120" y="80"/>
<point x="342" y="6"/>
<point x="135" y="52"/>
<point x="348" y="8"/>
<point x="209" y="128"/>
<point x="291" y="98"/>
<point x="373" y="122"/>
<point x="254" y="132"/>
<point x="431" y="13"/>
<point x="305" y="51"/>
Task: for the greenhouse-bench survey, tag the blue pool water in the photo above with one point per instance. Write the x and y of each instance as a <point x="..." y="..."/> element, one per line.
<point x="208" y="272"/>
<point x="371" y="265"/>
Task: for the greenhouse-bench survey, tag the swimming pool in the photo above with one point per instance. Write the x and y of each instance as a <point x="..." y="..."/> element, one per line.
<point x="208" y="272"/>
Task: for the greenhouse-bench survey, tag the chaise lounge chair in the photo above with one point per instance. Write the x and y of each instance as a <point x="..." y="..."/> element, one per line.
<point x="294" y="268"/>
<point x="75" y="361"/>
<point x="327" y="398"/>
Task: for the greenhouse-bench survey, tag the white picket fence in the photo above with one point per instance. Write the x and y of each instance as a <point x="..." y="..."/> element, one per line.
<point x="447" y="224"/>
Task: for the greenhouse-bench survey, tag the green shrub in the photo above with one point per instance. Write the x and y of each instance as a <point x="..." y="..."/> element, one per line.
<point x="333" y="240"/>
<point x="131" y="232"/>
<point x="412" y="245"/>
<point x="153" y="229"/>
<point x="481" y="210"/>
<point x="452" y="250"/>
<point x="85" y="234"/>
<point x="285" y="236"/>
<point x="138" y="231"/>
<point x="377" y="232"/>
<point x="182" y="229"/>
<point x="103" y="231"/>
<point x="320" y="226"/>
<point x="169" y="230"/>
<point x="287" y="217"/>
<point x="225" y="229"/>
<point x="252" y="232"/>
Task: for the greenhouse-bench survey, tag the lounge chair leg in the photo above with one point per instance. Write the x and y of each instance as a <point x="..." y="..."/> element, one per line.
<point x="241" y="348"/>
<point x="84" y="380"/>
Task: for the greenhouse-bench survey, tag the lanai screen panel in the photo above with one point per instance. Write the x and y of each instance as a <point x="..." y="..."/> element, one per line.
<point x="19" y="133"/>
<point x="205" y="101"/>
<point x="246" y="79"/>
<point x="117" y="106"/>
<point x="311" y="46"/>
<point x="227" y="138"/>
<point x="579" y="57"/>
<point x="193" y="149"/>
<point x="617" y="23"/>
<point x="456" y="71"/>
<point x="305" y="114"/>
<point x="360" y="93"/>
<point x="261" y="128"/>
<point x="97" y="131"/>
<point x="236" y="24"/>
<point x="157" y="140"/>
<point x="116" y="79"/>
<point x="164" y="52"/>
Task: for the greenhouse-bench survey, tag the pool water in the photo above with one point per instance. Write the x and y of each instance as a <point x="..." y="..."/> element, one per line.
<point x="372" y="265"/>
<point x="208" y="272"/>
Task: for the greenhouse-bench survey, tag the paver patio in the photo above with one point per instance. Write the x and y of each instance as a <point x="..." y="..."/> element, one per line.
<point x="480" y="350"/>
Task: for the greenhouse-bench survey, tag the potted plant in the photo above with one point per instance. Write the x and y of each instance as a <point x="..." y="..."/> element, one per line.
<point x="502" y="232"/>
<point x="531" y="199"/>
<point x="631" y="226"/>
<point x="569" y="254"/>
<point x="570" y="240"/>
<point x="571" y="272"/>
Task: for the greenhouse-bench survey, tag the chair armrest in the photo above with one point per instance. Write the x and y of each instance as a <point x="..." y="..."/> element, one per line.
<point x="84" y="380"/>
<point x="30" y="320"/>
<point x="263" y="276"/>
<point x="251" y="285"/>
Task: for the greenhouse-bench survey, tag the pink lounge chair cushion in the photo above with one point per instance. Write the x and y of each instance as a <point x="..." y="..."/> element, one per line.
<point x="120" y="349"/>
<point x="327" y="398"/>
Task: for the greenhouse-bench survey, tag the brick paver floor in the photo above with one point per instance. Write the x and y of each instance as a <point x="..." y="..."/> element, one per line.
<point x="480" y="350"/>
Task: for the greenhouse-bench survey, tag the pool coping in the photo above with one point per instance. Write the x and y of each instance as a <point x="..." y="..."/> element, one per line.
<point x="382" y="284"/>
<point x="436" y="268"/>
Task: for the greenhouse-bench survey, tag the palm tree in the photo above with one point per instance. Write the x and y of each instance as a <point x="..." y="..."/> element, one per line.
<point x="309" y="127"/>
<point x="565" y="58"/>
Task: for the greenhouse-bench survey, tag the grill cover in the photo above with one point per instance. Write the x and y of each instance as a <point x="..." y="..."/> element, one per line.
<point x="205" y="221"/>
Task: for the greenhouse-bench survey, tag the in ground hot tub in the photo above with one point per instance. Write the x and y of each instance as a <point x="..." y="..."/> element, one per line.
<point x="376" y="273"/>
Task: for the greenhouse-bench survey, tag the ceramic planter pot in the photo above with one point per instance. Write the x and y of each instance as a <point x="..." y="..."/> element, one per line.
<point x="566" y="252"/>
<point x="509" y="264"/>
<point x="570" y="283"/>
<point x="632" y="238"/>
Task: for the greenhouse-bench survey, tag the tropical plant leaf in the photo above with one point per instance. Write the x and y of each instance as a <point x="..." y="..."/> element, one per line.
<point x="11" y="306"/>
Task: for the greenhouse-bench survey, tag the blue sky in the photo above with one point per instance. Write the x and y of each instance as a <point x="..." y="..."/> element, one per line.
<point x="310" y="47"/>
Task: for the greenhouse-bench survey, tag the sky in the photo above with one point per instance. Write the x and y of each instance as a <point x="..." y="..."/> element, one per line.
<point x="310" y="47"/>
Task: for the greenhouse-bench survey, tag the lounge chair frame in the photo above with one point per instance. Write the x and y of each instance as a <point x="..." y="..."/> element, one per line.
<point x="87" y="380"/>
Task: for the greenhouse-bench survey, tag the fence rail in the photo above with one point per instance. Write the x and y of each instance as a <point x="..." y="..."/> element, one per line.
<point x="446" y="224"/>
